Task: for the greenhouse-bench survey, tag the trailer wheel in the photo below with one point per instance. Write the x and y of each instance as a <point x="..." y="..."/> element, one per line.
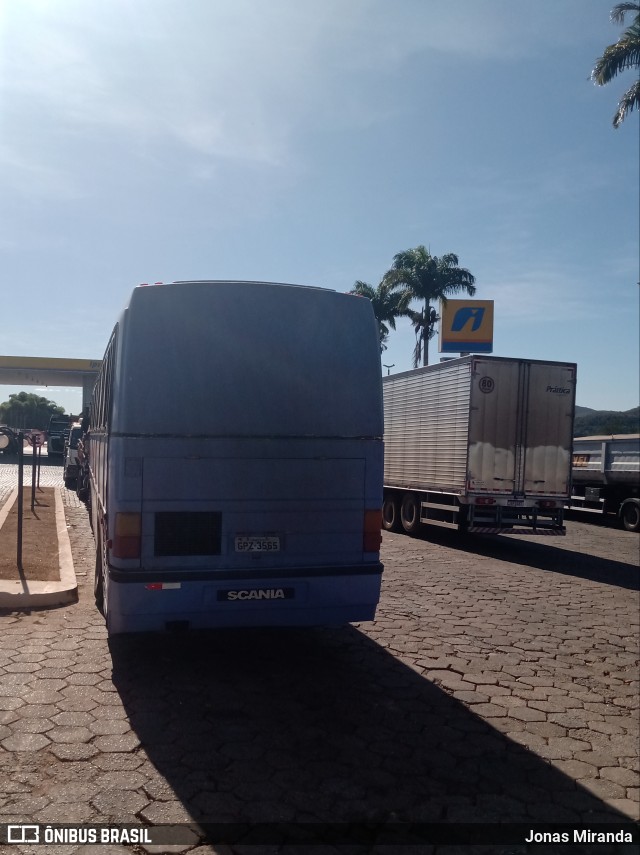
<point x="630" y="513"/>
<point x="410" y="513"/>
<point x="390" y="514"/>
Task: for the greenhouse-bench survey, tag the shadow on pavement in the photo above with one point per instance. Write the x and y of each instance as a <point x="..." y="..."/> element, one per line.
<point x="541" y="555"/>
<point x="56" y="461"/>
<point x="325" y="726"/>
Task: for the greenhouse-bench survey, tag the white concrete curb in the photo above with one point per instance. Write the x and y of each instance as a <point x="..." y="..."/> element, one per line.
<point x="22" y="594"/>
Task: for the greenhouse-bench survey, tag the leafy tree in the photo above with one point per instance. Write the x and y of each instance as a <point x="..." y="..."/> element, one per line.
<point x="425" y="277"/>
<point x="618" y="57"/>
<point x="26" y="410"/>
<point x="387" y="303"/>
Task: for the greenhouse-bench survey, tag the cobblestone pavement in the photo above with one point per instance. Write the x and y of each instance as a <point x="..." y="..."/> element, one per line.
<point x="498" y="684"/>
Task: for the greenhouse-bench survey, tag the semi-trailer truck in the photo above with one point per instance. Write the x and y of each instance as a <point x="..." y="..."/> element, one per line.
<point x="481" y="444"/>
<point x="606" y="477"/>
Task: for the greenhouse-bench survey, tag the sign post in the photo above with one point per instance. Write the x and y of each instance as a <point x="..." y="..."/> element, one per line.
<point x="20" y="494"/>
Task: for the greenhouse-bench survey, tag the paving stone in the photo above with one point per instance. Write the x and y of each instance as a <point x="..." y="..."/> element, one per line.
<point x="619" y="775"/>
<point x="22" y="668"/>
<point x="117" y="742"/>
<point x="44" y="697"/>
<point x="526" y="714"/>
<point x="169" y="812"/>
<point x="121" y="780"/>
<point x="626" y="807"/>
<point x="30" y="710"/>
<point x="74" y="792"/>
<point x="69" y="734"/>
<point x="602" y="788"/>
<point x="109" y="762"/>
<point x="568" y="744"/>
<point x="531" y="740"/>
<point x="76" y="704"/>
<point x="32" y="725"/>
<point x="62" y="812"/>
<point x="113" y="803"/>
<point x="10" y="703"/>
<point x="27" y="805"/>
<point x="545" y="728"/>
<point x="606" y="727"/>
<point x="76" y="751"/>
<point x="490" y="711"/>
<point x="575" y="768"/>
<point x="109" y="726"/>
<point x="471" y="697"/>
<point x="25" y="742"/>
<point x="83" y="679"/>
<point x="55" y="674"/>
<point x="73" y="719"/>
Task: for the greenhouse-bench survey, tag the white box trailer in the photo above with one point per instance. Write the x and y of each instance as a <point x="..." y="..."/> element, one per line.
<point x="606" y="477"/>
<point x="481" y="444"/>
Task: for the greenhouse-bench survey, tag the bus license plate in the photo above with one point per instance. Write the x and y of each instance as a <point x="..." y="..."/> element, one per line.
<point x="257" y="543"/>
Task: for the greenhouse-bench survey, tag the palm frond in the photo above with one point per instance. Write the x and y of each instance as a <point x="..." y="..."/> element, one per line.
<point x="387" y="303"/>
<point x="617" y="58"/>
<point x="629" y="101"/>
<point x="620" y="10"/>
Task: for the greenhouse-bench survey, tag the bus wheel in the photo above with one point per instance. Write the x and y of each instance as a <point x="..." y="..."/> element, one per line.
<point x="390" y="514"/>
<point x="631" y="515"/>
<point x="98" y="584"/>
<point x="410" y="513"/>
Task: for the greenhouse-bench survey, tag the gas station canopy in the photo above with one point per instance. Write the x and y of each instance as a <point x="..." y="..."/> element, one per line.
<point x="45" y="371"/>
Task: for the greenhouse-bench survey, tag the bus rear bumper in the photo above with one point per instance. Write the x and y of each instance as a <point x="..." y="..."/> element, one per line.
<point x="323" y="597"/>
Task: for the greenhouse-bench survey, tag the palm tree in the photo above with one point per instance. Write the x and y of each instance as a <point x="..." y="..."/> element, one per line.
<point x="426" y="277"/>
<point x="387" y="306"/>
<point x="625" y="53"/>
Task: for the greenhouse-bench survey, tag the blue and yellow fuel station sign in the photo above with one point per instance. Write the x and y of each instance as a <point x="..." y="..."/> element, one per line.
<point x="466" y="326"/>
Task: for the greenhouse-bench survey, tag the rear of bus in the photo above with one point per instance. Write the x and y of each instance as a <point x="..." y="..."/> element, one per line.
<point x="242" y="459"/>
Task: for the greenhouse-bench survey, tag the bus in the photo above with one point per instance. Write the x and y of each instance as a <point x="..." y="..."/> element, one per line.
<point x="236" y="457"/>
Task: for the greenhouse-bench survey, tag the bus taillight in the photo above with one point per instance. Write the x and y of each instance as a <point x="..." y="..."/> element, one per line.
<point x="127" y="536"/>
<point x="372" y="537"/>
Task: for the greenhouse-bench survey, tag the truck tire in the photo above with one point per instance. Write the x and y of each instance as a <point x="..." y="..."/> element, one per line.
<point x="390" y="514"/>
<point x="630" y="513"/>
<point x="82" y="486"/>
<point x="410" y="513"/>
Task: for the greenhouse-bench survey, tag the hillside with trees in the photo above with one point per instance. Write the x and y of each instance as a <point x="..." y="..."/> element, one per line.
<point x="606" y="422"/>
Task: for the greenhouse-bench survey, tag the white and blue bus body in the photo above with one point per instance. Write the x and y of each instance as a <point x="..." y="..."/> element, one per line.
<point x="236" y="459"/>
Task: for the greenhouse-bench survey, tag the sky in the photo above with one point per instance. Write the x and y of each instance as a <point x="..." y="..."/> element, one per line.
<point x="309" y="141"/>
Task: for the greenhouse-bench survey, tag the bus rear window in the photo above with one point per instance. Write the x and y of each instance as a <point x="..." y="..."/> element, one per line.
<point x="187" y="533"/>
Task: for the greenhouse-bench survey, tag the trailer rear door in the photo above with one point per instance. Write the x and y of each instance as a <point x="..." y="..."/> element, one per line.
<point x="494" y="426"/>
<point x="548" y="430"/>
<point x="521" y="425"/>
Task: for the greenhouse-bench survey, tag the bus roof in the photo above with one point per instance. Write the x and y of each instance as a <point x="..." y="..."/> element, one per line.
<point x="241" y="358"/>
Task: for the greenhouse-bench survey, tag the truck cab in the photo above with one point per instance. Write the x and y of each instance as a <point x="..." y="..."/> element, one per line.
<point x="70" y="472"/>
